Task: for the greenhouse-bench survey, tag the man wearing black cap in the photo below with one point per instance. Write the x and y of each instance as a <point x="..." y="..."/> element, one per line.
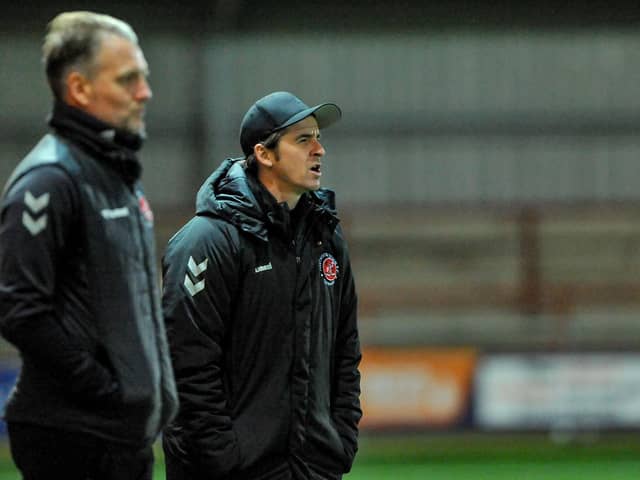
<point x="260" y="306"/>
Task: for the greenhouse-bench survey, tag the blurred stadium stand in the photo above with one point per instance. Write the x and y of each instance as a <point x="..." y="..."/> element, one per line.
<point x="487" y="167"/>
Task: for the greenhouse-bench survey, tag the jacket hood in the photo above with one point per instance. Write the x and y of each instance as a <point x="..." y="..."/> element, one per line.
<point x="228" y="194"/>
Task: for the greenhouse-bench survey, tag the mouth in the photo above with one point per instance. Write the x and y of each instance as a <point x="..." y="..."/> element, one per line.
<point x="316" y="169"/>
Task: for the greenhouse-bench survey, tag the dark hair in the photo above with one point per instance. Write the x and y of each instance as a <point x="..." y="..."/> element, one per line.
<point x="271" y="142"/>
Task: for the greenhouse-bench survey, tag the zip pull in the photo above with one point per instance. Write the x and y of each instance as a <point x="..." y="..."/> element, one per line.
<point x="293" y="246"/>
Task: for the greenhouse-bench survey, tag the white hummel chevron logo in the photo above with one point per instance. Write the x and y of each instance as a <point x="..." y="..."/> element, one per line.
<point x="199" y="268"/>
<point x="195" y="269"/>
<point x="36" y="204"/>
<point x="34" y="226"/>
<point x="32" y="221"/>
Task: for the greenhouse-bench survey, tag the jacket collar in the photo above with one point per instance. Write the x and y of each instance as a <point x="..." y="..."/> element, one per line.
<point x="115" y="147"/>
<point x="232" y="193"/>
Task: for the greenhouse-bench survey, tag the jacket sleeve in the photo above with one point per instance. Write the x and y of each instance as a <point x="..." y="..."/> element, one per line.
<point x="346" y="400"/>
<point x="199" y="279"/>
<point x="37" y="219"/>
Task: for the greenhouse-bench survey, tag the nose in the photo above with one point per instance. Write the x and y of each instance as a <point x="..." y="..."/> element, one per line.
<point x="143" y="92"/>
<point x="318" y="149"/>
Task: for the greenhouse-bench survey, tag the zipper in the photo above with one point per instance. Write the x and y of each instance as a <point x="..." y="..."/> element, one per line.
<point x="147" y="259"/>
<point x="297" y="245"/>
<point x="303" y="236"/>
<point x="296" y="253"/>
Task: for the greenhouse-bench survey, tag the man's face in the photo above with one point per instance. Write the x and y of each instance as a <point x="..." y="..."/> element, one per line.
<point x="117" y="87"/>
<point x="298" y="158"/>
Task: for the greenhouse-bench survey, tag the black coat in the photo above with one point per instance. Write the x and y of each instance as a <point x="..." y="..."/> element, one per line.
<point x="260" y="306"/>
<point x="79" y="298"/>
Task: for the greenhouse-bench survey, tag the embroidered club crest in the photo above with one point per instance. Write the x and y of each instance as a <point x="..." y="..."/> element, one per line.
<point x="328" y="268"/>
<point x="145" y="209"/>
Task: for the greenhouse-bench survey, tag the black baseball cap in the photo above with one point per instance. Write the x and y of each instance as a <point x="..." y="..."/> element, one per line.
<point x="279" y="110"/>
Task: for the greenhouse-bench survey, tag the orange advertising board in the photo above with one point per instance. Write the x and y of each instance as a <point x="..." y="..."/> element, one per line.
<point x="422" y="387"/>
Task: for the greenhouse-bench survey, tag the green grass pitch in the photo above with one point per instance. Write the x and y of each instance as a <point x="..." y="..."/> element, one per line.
<point x="475" y="457"/>
<point x="498" y="457"/>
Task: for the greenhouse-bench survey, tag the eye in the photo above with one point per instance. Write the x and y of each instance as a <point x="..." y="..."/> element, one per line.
<point x="128" y="79"/>
<point x="131" y="78"/>
<point x="307" y="138"/>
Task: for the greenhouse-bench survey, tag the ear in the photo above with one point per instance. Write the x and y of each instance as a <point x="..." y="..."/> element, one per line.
<point x="78" y="92"/>
<point x="264" y="157"/>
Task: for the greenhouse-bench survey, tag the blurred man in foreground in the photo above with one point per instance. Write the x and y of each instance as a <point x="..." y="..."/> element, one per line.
<point x="78" y="285"/>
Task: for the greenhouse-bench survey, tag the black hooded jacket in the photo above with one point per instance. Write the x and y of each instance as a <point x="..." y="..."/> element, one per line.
<point x="260" y="306"/>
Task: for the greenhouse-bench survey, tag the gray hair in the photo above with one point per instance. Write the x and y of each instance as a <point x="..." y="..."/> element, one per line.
<point x="73" y="40"/>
